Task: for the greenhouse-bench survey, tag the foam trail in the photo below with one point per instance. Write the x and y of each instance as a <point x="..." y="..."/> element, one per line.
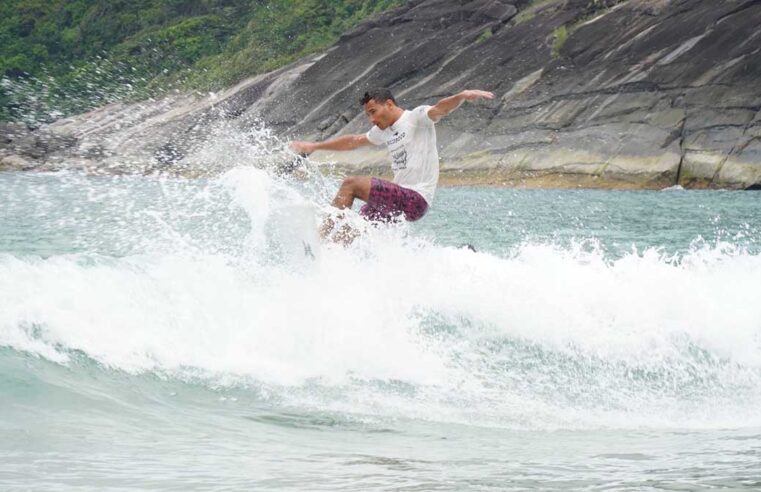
<point x="394" y="325"/>
<point x="250" y="189"/>
<point x="460" y="327"/>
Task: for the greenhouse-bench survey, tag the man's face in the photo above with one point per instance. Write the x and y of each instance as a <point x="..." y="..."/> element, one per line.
<point x="380" y="114"/>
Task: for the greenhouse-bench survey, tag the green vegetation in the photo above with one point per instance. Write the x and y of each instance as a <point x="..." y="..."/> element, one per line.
<point x="64" y="56"/>
<point x="560" y="35"/>
<point x="484" y="36"/>
<point x="595" y="9"/>
<point x="536" y="6"/>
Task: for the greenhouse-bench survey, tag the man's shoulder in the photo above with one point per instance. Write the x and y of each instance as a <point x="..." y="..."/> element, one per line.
<point x="423" y="108"/>
<point x="420" y="113"/>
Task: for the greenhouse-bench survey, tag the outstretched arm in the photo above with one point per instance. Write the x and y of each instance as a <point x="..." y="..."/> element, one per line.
<point x="344" y="142"/>
<point x="449" y="104"/>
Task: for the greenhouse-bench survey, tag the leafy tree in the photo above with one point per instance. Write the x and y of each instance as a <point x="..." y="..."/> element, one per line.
<point x="63" y="56"/>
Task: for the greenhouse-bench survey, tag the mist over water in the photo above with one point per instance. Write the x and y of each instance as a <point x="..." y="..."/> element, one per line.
<point x="135" y="308"/>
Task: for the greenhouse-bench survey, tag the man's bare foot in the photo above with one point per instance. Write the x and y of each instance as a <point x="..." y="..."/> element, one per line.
<point x="345" y="235"/>
<point x="327" y="227"/>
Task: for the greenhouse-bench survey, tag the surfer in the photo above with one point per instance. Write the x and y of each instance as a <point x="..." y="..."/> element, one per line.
<point x="410" y="139"/>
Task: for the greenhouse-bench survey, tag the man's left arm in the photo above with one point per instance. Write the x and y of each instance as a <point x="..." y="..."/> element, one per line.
<point x="449" y="104"/>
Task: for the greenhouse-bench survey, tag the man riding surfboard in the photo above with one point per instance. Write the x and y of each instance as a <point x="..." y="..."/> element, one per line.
<point x="410" y="139"/>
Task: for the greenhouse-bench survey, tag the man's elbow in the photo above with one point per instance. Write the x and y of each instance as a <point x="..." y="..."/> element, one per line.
<point x="358" y="141"/>
<point x="435" y="114"/>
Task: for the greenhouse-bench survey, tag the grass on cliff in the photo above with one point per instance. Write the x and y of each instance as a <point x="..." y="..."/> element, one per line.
<point x="593" y="10"/>
<point x="535" y="7"/>
<point x="59" y="57"/>
<point x="560" y="36"/>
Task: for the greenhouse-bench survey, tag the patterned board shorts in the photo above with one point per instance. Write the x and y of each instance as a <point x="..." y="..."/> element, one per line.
<point x="389" y="201"/>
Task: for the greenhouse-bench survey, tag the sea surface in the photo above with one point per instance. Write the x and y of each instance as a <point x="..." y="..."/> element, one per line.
<point x="155" y="335"/>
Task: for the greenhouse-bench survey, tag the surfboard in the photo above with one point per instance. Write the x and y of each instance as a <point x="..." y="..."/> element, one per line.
<point x="292" y="234"/>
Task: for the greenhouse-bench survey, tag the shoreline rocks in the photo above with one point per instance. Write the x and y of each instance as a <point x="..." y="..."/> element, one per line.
<point x="609" y="94"/>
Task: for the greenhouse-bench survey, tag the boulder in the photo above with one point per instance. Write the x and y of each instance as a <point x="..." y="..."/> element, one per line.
<point x="630" y="93"/>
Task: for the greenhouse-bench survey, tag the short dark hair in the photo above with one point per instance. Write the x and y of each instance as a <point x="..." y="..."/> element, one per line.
<point x="379" y="95"/>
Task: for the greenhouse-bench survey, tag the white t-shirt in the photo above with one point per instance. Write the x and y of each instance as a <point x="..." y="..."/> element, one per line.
<point x="411" y="144"/>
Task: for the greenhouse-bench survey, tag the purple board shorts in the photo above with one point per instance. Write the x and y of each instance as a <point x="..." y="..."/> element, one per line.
<point x="388" y="201"/>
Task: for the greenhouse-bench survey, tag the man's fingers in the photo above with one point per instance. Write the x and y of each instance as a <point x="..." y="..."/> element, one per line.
<point x="300" y="147"/>
<point x="475" y="94"/>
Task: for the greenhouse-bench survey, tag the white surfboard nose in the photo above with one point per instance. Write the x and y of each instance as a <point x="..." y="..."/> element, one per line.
<point x="292" y="236"/>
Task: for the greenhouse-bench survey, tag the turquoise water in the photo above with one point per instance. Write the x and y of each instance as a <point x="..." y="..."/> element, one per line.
<point x="153" y="335"/>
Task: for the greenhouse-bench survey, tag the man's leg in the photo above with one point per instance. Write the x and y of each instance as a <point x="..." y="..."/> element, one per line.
<point x="351" y="188"/>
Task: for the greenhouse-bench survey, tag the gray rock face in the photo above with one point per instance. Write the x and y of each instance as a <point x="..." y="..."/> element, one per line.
<point x="626" y="93"/>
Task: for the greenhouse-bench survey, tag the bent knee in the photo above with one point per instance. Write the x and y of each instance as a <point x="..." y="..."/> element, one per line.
<point x="351" y="182"/>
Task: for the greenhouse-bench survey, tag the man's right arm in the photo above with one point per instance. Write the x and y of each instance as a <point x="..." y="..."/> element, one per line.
<point x="344" y="142"/>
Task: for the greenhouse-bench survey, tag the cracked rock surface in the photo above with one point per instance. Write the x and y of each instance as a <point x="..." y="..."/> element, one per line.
<point x="616" y="93"/>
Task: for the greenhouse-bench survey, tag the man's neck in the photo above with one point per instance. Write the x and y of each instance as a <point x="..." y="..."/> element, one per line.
<point x="398" y="112"/>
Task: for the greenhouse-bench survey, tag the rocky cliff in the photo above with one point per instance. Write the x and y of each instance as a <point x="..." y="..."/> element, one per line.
<point x="627" y="93"/>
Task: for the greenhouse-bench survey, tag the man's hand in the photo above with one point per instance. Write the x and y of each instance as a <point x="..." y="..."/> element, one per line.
<point x="473" y="94"/>
<point x="449" y="104"/>
<point x="305" y="148"/>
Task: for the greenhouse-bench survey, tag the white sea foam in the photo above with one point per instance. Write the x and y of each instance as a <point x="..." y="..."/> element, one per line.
<point x="398" y="326"/>
<point x="361" y="316"/>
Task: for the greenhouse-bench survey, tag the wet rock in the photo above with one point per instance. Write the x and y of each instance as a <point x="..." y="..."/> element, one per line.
<point x="10" y="132"/>
<point x="647" y="91"/>
<point x="602" y="93"/>
<point x="15" y="162"/>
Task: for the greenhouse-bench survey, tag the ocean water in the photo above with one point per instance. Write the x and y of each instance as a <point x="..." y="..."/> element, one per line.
<point x="154" y="335"/>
